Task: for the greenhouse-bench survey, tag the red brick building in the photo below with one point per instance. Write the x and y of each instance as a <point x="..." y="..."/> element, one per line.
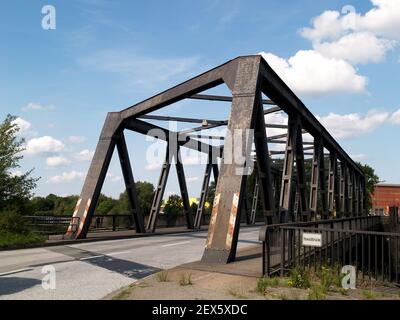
<point x="384" y="197"/>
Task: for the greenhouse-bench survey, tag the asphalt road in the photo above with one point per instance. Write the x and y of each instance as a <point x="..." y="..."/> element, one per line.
<point x="94" y="270"/>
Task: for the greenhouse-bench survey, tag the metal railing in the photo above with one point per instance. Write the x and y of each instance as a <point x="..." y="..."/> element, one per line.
<point x="52" y="224"/>
<point x="353" y="241"/>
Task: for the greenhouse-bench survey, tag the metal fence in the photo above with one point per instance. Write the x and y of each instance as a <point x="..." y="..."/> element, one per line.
<point x="54" y="225"/>
<point x="326" y="243"/>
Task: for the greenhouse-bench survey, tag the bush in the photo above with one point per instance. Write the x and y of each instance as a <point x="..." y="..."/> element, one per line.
<point x="13" y="222"/>
<point x="10" y="240"/>
<point x="299" y="278"/>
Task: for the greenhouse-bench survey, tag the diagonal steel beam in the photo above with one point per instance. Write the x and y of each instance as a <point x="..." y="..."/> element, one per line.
<point x="159" y="193"/>
<point x="183" y="188"/>
<point x="130" y="184"/>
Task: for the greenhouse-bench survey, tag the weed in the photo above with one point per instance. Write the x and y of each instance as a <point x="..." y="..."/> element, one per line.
<point x="317" y="293"/>
<point x="237" y="293"/>
<point x="264" y="283"/>
<point x="124" y="294"/>
<point x="162" y="276"/>
<point x="186" y="280"/>
<point x="299" y="278"/>
<point x="368" y="294"/>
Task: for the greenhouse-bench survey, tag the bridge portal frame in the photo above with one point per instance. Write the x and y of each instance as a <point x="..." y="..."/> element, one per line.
<point x="248" y="78"/>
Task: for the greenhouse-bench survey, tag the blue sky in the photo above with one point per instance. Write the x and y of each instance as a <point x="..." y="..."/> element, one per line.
<point x="107" y="55"/>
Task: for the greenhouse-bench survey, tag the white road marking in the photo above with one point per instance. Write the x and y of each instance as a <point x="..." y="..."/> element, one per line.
<point x="15" y="271"/>
<point x="175" y="244"/>
<point x="118" y="253"/>
<point x="92" y="257"/>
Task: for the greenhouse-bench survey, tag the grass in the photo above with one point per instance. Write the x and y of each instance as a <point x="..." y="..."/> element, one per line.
<point x="10" y="240"/>
<point x="124" y="294"/>
<point x="237" y="293"/>
<point x="317" y="292"/>
<point x="162" y="276"/>
<point x="281" y="296"/>
<point x="186" y="280"/>
<point x="264" y="283"/>
<point x="299" y="278"/>
<point x="368" y="294"/>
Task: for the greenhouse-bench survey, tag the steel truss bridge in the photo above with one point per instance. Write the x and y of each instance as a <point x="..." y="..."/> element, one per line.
<point x="337" y="184"/>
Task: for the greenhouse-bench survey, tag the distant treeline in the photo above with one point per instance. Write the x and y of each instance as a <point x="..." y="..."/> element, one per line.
<point x="64" y="206"/>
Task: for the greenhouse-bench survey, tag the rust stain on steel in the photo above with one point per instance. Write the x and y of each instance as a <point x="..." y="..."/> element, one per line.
<point x="81" y="225"/>
<point x="213" y="219"/>
<point x="70" y="228"/>
<point x="232" y="221"/>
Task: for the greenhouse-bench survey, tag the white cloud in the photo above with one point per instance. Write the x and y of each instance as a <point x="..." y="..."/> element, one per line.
<point x="361" y="47"/>
<point x="113" y="177"/>
<point x="358" y="157"/>
<point x="382" y="20"/>
<point x="66" y="177"/>
<point x="85" y="155"/>
<point x="57" y="161"/>
<point x="153" y="167"/>
<point x="395" y="118"/>
<point x="44" y="144"/>
<point x="355" y="37"/>
<point x="76" y="139"/>
<point x="16" y="173"/>
<point x="139" y="70"/>
<point x="33" y="106"/>
<point x="353" y="125"/>
<point x="309" y="72"/>
<point x="192" y="179"/>
<point x="325" y="26"/>
<point x="24" y="126"/>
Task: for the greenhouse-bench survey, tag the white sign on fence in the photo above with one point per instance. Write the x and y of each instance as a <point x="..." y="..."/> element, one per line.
<point x="312" y="239"/>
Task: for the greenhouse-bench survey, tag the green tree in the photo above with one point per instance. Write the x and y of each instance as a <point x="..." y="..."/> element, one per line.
<point x="210" y="197"/>
<point x="106" y="205"/>
<point x="15" y="189"/>
<point x="172" y="209"/>
<point x="371" y="179"/>
<point x="145" y="192"/>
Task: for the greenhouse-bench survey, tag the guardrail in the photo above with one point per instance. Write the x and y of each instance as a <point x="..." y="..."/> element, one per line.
<point x="52" y="224"/>
<point x="351" y="241"/>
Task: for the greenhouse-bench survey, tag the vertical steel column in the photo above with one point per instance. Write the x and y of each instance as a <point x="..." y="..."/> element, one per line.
<point x="183" y="188"/>
<point x="301" y="192"/>
<point x="318" y="179"/>
<point x="130" y="183"/>
<point x="349" y="193"/>
<point x="159" y="193"/>
<point x="332" y="184"/>
<point x="285" y="202"/>
<point x="90" y="193"/>
<point x="264" y="177"/>
<point x="245" y="202"/>
<point x="225" y="219"/>
<point x="362" y="196"/>
<point x="343" y="175"/>
<point x="356" y="188"/>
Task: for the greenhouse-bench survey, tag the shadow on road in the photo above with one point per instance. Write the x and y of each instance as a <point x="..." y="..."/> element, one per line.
<point x="126" y="268"/>
<point x="10" y="285"/>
